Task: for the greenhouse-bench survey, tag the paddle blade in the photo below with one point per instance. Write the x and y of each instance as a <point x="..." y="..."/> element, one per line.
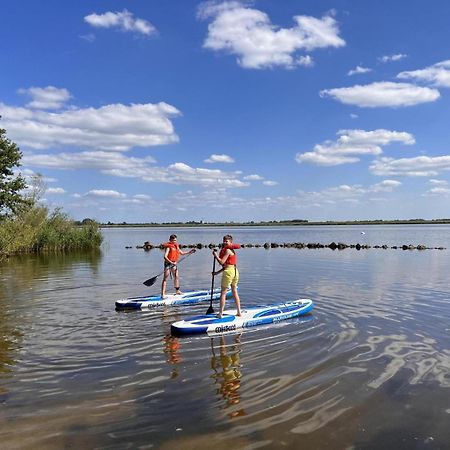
<point x="210" y="310"/>
<point x="150" y="281"/>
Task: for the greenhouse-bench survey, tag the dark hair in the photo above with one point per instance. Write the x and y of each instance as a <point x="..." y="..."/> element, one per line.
<point x="228" y="236"/>
<point x="172" y="236"/>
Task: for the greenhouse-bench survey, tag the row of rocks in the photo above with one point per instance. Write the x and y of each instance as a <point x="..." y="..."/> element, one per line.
<point x="333" y="246"/>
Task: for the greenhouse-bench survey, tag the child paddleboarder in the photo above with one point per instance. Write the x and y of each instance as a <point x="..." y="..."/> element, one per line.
<point x="172" y="253"/>
<point x="230" y="275"/>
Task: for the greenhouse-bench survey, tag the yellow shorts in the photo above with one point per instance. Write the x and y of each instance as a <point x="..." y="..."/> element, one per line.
<point x="230" y="277"/>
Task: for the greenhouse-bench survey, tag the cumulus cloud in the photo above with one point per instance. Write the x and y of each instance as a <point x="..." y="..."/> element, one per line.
<point x="108" y="193"/>
<point x="390" y="58"/>
<point x="438" y="191"/>
<point x="382" y="94"/>
<point x="385" y="186"/>
<point x="359" y="70"/>
<point x="352" y="144"/>
<point x="115" y="127"/>
<point x="437" y="74"/>
<point x="249" y="34"/>
<point x="435" y="182"/>
<point x="253" y="177"/>
<point x="48" y="97"/>
<point x="270" y="183"/>
<point x="419" y="166"/>
<point x="219" y="159"/>
<point x="120" y="165"/>
<point x="56" y="190"/>
<point x="123" y="21"/>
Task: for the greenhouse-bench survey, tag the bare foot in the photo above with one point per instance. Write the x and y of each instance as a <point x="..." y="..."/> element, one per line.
<point x="178" y="293"/>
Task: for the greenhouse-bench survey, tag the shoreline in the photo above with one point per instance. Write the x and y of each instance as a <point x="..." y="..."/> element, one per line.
<point x="275" y="223"/>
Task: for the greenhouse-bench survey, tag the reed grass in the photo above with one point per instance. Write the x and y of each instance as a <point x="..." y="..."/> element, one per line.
<point x="37" y="229"/>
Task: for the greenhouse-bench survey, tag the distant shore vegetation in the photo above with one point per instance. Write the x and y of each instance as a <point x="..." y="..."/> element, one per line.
<point x="293" y="222"/>
<point x="26" y="225"/>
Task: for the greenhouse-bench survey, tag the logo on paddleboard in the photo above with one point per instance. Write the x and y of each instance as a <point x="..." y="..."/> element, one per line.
<point x="224" y="328"/>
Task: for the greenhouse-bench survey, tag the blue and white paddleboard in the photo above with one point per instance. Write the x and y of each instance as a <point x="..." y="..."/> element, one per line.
<point x="171" y="299"/>
<point x="251" y="317"/>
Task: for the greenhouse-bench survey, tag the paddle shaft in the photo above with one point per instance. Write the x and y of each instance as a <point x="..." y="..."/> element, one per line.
<point x="151" y="281"/>
<point x="211" y="309"/>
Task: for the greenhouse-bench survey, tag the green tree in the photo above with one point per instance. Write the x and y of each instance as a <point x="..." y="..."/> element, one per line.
<point x="11" y="185"/>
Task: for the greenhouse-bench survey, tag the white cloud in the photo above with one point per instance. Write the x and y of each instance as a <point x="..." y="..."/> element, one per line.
<point x="437" y="74"/>
<point x="253" y="177"/>
<point x="270" y="183"/>
<point x="249" y="34"/>
<point x="107" y="193"/>
<point x="142" y="197"/>
<point x="352" y="144"/>
<point x="90" y="37"/>
<point x="115" y="127"/>
<point x="439" y="191"/>
<point x="385" y="186"/>
<point x="359" y="70"/>
<point x="382" y="94"/>
<point x="57" y="190"/>
<point x="305" y="61"/>
<point x="353" y="116"/>
<point x="390" y="58"/>
<point x="419" y="166"/>
<point x="48" y="97"/>
<point x="119" y="165"/>
<point x="434" y="182"/>
<point x="219" y="159"/>
<point x="123" y="21"/>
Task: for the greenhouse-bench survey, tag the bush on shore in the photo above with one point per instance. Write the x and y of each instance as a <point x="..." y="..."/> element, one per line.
<point x="36" y="229"/>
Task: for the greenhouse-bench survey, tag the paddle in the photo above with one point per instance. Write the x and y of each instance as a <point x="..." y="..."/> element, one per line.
<point x="151" y="281"/>
<point x="211" y="309"/>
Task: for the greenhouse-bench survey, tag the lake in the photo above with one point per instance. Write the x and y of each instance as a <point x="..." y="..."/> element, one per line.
<point x="369" y="368"/>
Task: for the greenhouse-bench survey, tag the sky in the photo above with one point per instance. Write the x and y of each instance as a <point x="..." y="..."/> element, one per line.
<point x="217" y="111"/>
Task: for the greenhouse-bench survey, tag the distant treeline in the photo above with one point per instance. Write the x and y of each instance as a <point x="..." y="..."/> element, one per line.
<point x="293" y="222"/>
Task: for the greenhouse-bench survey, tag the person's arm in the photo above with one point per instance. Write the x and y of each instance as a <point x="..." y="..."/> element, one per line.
<point x="224" y="257"/>
<point x="192" y="250"/>
<point x="166" y="253"/>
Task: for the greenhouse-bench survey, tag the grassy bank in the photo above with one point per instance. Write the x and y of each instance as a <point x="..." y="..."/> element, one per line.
<point x="37" y="229"/>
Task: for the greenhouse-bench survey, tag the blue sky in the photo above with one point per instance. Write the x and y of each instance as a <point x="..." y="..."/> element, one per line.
<point x="178" y="110"/>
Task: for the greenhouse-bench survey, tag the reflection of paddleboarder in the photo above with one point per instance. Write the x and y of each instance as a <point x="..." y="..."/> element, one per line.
<point x="171" y="349"/>
<point x="227" y="373"/>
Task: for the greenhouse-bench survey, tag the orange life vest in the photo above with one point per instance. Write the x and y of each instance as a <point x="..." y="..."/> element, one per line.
<point x="232" y="259"/>
<point x="174" y="251"/>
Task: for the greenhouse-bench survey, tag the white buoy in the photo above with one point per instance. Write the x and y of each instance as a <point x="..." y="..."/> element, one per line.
<point x="362" y="232"/>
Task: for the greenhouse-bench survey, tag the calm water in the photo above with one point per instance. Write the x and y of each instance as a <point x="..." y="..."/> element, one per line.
<point x="368" y="369"/>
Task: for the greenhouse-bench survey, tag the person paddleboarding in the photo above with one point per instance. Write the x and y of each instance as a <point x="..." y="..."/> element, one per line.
<point x="227" y="258"/>
<point x="172" y="254"/>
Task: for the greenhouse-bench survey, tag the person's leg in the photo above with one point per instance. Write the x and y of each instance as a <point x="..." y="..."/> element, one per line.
<point x="234" y="291"/>
<point x="224" y="285"/>
<point x="164" y="283"/>
<point x="176" y="280"/>
<point x="236" y="299"/>
<point x="223" y="295"/>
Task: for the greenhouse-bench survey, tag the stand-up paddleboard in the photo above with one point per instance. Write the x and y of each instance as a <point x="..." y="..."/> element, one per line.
<point x="171" y="299"/>
<point x="251" y="317"/>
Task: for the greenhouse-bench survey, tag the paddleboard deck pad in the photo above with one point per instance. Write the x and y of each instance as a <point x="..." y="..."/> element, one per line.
<point x="186" y="298"/>
<point x="251" y="317"/>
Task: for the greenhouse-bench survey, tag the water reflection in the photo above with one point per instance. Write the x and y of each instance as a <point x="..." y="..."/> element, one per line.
<point x="172" y="347"/>
<point x="227" y="372"/>
<point x="24" y="272"/>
